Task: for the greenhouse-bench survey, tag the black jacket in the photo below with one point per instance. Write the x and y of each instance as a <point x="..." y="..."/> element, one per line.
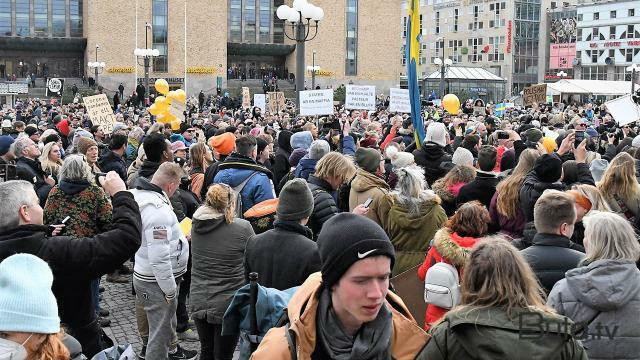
<point x="324" y="205"/>
<point x="550" y="257"/>
<point x="481" y="188"/>
<point x="75" y="262"/>
<point x="113" y="162"/>
<point x="281" y="162"/>
<point x="283" y="257"/>
<point x="434" y="160"/>
<point x="31" y="171"/>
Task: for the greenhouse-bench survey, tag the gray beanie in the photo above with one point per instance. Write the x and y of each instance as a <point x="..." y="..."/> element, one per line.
<point x="462" y="156"/>
<point x="636" y="142"/>
<point x="368" y="159"/>
<point x="318" y="149"/>
<point x="295" y="201"/>
<point x="597" y="168"/>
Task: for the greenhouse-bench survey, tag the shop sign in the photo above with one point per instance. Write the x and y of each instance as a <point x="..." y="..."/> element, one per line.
<point x="201" y="70"/>
<point x="123" y="70"/>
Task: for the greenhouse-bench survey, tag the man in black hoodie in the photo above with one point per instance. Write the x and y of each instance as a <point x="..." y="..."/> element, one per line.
<point x="281" y="163"/>
<point x="113" y="160"/>
<point x="28" y="168"/>
<point x="432" y="157"/>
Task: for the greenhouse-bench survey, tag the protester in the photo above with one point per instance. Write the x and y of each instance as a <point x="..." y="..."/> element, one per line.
<point x="433" y="154"/>
<point x="200" y="157"/>
<point x="51" y="160"/>
<point x="89" y="148"/>
<point x="281" y="163"/>
<point x="620" y="187"/>
<point x="307" y="164"/>
<point x="448" y="187"/>
<point x="368" y="186"/>
<point x="28" y="168"/>
<point x="218" y="248"/>
<point x="484" y="185"/>
<point x="114" y="158"/>
<point x="588" y="198"/>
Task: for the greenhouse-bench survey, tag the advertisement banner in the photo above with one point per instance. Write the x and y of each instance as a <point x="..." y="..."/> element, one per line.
<point x="316" y="102"/>
<point x="561" y="56"/>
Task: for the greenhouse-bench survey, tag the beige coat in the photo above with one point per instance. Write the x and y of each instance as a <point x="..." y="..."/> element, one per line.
<point x="367" y="185"/>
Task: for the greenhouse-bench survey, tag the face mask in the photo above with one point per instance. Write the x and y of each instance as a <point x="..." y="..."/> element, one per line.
<point x="11" y="350"/>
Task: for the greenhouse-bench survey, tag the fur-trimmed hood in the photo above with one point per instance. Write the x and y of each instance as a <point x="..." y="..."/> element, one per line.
<point x="454" y="248"/>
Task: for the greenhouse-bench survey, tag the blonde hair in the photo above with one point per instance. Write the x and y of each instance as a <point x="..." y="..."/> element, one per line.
<point x="197" y="153"/>
<point x="411" y="190"/>
<point x="620" y="178"/>
<point x="335" y="165"/>
<point x="49" y="166"/>
<point x="508" y="190"/>
<point x="598" y="202"/>
<point x="221" y="197"/>
<point x="51" y="348"/>
<point x="607" y="235"/>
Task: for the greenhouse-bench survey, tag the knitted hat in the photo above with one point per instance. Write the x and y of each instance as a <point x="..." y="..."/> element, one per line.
<point x="399" y="159"/>
<point x="177" y="145"/>
<point x="597" y="168"/>
<point x="462" y="156"/>
<point x="533" y="135"/>
<point x="549" y="144"/>
<point x="318" y="149"/>
<point x="368" y="159"/>
<point x="636" y="142"/>
<point x="84" y="143"/>
<point x="176" y="137"/>
<point x="302" y="139"/>
<point x="436" y="133"/>
<point x="295" y="201"/>
<point x="340" y="246"/>
<point x="5" y="144"/>
<point x="224" y="143"/>
<point x="548" y="168"/>
<point x="27" y="303"/>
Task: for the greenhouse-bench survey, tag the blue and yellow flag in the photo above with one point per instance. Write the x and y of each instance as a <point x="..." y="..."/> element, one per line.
<point x="500" y="108"/>
<point x="413" y="55"/>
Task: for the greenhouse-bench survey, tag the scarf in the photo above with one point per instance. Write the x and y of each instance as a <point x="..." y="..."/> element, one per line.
<point x="371" y="342"/>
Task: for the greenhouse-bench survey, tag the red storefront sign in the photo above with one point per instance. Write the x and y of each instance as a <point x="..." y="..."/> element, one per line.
<point x="509" y="37"/>
<point x="615" y="44"/>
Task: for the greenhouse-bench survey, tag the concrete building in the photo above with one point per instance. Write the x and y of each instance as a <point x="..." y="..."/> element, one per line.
<point x="203" y="44"/>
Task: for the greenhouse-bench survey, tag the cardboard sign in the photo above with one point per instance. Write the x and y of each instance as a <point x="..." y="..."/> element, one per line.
<point x="246" y="98"/>
<point x="399" y="100"/>
<point x="260" y="100"/>
<point x="275" y="102"/>
<point x="360" y="97"/>
<point x="316" y="102"/>
<point x="100" y="111"/>
<point x="623" y="110"/>
<point x="177" y="109"/>
<point x="535" y="94"/>
<point x="55" y="87"/>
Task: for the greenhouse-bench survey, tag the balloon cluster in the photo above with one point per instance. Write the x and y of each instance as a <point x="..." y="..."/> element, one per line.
<point x="451" y="103"/>
<point x="162" y="105"/>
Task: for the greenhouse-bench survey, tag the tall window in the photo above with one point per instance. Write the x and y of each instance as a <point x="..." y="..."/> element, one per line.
<point x="351" y="66"/>
<point x="278" y="25"/>
<point x="58" y="18"/>
<point x="265" y="21"/>
<point x="75" y="17"/>
<point x="235" y="20"/>
<point x="41" y="17"/>
<point x="5" y="17"/>
<point x="249" y="20"/>
<point x="22" y="18"/>
<point x="160" y="10"/>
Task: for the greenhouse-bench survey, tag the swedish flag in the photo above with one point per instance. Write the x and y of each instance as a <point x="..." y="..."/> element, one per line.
<point x="500" y="108"/>
<point x="412" y="55"/>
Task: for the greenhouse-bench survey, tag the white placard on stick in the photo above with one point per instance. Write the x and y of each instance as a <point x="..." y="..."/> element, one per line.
<point x="260" y="100"/>
<point x="399" y="100"/>
<point x="177" y="109"/>
<point x="360" y="97"/>
<point x="100" y="111"/>
<point x="316" y="102"/>
<point x="623" y="110"/>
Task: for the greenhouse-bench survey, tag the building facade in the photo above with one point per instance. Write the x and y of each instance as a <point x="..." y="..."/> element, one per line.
<point x="561" y="36"/>
<point x="202" y="44"/>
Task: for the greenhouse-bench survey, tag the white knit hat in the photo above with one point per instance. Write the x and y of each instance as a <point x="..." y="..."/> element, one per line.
<point x="462" y="156"/>
<point x="437" y="133"/>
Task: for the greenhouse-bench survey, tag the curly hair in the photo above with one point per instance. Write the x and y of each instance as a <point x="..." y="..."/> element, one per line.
<point x="51" y="348"/>
<point x="471" y="219"/>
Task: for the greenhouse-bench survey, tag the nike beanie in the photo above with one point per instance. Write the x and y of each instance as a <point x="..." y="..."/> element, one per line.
<point x="347" y="238"/>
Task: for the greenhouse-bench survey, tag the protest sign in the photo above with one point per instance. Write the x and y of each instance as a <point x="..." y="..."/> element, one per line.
<point x="275" y="102"/>
<point x="316" y="102"/>
<point x="177" y="109"/>
<point x="100" y="111"/>
<point x="55" y="87"/>
<point x="399" y="100"/>
<point x="623" y="110"/>
<point x="535" y="94"/>
<point x="360" y="97"/>
<point x="260" y="100"/>
<point x="246" y="98"/>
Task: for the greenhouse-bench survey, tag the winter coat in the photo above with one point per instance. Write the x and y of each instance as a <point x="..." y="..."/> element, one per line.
<point x="305" y="168"/>
<point x="281" y="163"/>
<point x="367" y="185"/>
<point x="449" y="248"/>
<point x="164" y="252"/>
<point x="512" y="227"/>
<point x="481" y="188"/>
<point x="237" y="168"/>
<point x="406" y="340"/>
<point x="31" y="171"/>
<point x="75" y="262"/>
<point x="604" y="294"/>
<point x="113" y="162"/>
<point x="217" y="250"/>
<point x="88" y="207"/>
<point x="448" y="195"/>
<point x="490" y="333"/>
<point x="411" y="233"/>
<point x="433" y="159"/>
<point x="550" y="257"/>
<point x="631" y="203"/>
<point x="324" y="203"/>
<point x="283" y="257"/>
<point x="146" y="171"/>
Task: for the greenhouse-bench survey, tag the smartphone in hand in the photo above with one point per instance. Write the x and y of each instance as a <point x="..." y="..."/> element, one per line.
<point x="368" y="202"/>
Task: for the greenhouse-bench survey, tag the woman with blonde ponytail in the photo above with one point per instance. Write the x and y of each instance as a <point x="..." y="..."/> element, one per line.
<point x="218" y="240"/>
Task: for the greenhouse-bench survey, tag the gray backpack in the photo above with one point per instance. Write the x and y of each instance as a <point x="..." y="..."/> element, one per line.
<point x="238" y="190"/>
<point x="442" y="286"/>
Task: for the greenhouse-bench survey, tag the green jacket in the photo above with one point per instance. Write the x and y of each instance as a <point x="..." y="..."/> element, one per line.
<point x="488" y="333"/>
<point x="412" y="233"/>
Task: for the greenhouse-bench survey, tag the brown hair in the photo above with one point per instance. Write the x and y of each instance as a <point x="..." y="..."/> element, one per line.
<point x="620" y="178"/>
<point x="508" y="190"/>
<point x="221" y="198"/>
<point x="197" y="153"/>
<point x="266" y="137"/>
<point x="553" y="209"/>
<point x="459" y="173"/>
<point x="471" y="219"/>
<point x="336" y="165"/>
<point x="51" y="348"/>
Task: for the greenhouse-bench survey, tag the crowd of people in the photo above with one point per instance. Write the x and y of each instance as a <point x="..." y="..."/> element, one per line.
<point x="535" y="212"/>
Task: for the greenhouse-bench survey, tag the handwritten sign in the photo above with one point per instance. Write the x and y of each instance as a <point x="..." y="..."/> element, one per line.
<point x="260" y="100"/>
<point x="100" y="111"/>
<point x="246" y="98"/>
<point x="177" y="109"/>
<point x="399" y="100"/>
<point x="360" y="97"/>
<point x="316" y="102"/>
<point x="535" y="94"/>
<point x="275" y="102"/>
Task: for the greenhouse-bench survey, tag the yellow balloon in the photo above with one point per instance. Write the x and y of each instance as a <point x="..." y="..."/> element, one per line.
<point x="175" y="124"/>
<point x="160" y="100"/>
<point x="162" y="86"/>
<point x="154" y="110"/>
<point x="451" y="103"/>
<point x="182" y="95"/>
<point x="162" y="118"/>
<point x="173" y="95"/>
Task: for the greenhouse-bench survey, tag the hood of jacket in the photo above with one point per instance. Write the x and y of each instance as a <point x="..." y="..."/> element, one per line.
<point x="72" y="187"/>
<point x="453" y="247"/>
<point x="432" y="152"/>
<point x="408" y="221"/>
<point x="284" y="141"/>
<point x="148" y="168"/>
<point x="22" y="239"/>
<point x="365" y="180"/>
<point x="307" y="164"/>
<point x="244" y="164"/>
<point x="206" y="219"/>
<point x="605" y="285"/>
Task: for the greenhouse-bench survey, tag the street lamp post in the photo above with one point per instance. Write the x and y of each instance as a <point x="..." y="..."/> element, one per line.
<point x="633" y="68"/>
<point x="98" y="66"/>
<point x="444" y="65"/>
<point x="313" y="73"/>
<point x="146" y="54"/>
<point x="296" y="16"/>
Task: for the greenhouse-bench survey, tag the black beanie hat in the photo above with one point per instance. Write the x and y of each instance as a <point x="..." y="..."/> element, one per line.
<point x="347" y="238"/>
<point x="548" y="168"/>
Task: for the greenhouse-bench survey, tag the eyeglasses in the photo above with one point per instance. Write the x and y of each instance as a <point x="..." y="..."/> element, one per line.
<point x="583" y="125"/>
